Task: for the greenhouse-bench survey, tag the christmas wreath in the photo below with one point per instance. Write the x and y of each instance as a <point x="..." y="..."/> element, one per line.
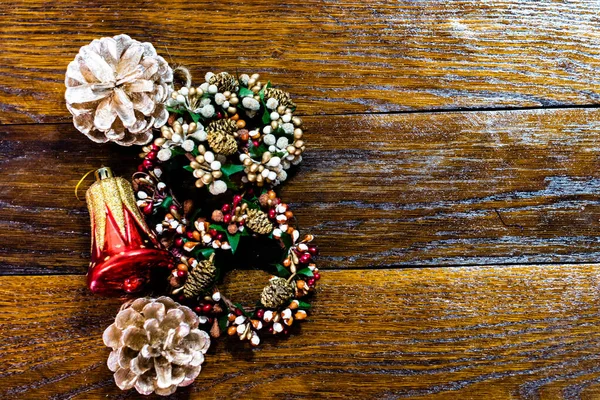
<point x="202" y="203"/>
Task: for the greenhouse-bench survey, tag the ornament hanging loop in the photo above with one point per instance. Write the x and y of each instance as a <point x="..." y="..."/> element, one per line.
<point x="83" y="178"/>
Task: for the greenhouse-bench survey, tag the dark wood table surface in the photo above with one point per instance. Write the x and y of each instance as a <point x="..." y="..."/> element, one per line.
<point x="451" y="180"/>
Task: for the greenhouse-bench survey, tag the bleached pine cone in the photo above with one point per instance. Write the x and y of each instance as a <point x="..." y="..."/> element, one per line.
<point x="157" y="346"/>
<point x="116" y="89"/>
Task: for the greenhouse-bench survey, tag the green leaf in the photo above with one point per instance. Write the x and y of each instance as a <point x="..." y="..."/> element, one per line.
<point x="217" y="228"/>
<point x="166" y="203"/>
<point x="305" y="272"/>
<point x="251" y="204"/>
<point x="257" y="152"/>
<point x="195" y="117"/>
<point x="239" y="307"/>
<point x="188" y="168"/>
<point x="177" y="151"/>
<point x="287" y="241"/>
<point x="245" y="92"/>
<point x="230" y="184"/>
<point x="202" y="251"/>
<point x="266" y="118"/>
<point x="302" y="305"/>
<point x="231" y="169"/>
<point x="282" y="271"/>
<point x="223" y="323"/>
<point x="195" y="214"/>
<point x="175" y="110"/>
<point x="234" y="240"/>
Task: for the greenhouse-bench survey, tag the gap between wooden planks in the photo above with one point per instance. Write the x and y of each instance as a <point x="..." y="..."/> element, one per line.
<point x="460" y="188"/>
<point x="334" y="57"/>
<point x="524" y="331"/>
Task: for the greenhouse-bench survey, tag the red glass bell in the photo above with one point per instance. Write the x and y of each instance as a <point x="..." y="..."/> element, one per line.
<point x="125" y="253"/>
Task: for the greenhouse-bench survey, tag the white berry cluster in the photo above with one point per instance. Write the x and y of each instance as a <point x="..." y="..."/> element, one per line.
<point x="262" y="134"/>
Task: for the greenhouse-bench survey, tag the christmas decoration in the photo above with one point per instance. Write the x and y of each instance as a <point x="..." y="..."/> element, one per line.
<point x="199" y="242"/>
<point x="259" y="222"/>
<point x="202" y="277"/>
<point x="277" y="293"/>
<point x="123" y="252"/>
<point x="156" y="346"/>
<point x="230" y="133"/>
<point x="221" y="146"/>
<point x="116" y="89"/>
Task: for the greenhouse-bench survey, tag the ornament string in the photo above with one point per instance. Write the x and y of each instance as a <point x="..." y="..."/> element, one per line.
<point x="81" y="181"/>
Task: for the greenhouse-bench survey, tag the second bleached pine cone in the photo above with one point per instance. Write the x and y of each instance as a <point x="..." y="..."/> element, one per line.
<point x="200" y="278"/>
<point x="157" y="346"/>
<point x="220" y="136"/>
<point x="277" y="293"/>
<point x="259" y="222"/>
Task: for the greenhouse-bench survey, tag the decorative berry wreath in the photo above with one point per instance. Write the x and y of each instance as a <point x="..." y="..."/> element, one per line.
<point x="198" y="242"/>
<point x="222" y="146"/>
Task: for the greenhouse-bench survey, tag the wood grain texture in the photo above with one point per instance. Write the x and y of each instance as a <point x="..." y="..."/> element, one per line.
<point x="385" y="190"/>
<point x="334" y="56"/>
<point x="452" y="333"/>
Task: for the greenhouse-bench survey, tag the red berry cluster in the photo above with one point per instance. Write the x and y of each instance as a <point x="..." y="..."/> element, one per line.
<point x="149" y="154"/>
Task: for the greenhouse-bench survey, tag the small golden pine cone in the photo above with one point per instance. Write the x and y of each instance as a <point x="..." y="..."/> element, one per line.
<point x="220" y="136"/>
<point x="200" y="278"/>
<point x="227" y="126"/>
<point x="224" y="82"/>
<point x="282" y="97"/>
<point x="222" y="143"/>
<point x="157" y="346"/>
<point x="277" y="293"/>
<point x="259" y="222"/>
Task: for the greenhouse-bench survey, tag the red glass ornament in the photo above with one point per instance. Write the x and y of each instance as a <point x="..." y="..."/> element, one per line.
<point x="124" y="250"/>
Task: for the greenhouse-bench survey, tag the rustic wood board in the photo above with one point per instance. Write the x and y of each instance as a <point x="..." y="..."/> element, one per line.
<point x="483" y="187"/>
<point x="334" y="56"/>
<point x="502" y="332"/>
<point x="440" y="134"/>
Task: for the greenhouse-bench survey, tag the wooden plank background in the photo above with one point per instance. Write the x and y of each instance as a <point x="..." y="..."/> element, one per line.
<point x="451" y="180"/>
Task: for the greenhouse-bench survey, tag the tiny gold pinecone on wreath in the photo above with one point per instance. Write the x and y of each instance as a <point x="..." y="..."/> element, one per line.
<point x="281" y="96"/>
<point x="200" y="278"/>
<point x="259" y="222"/>
<point x="224" y="82"/>
<point x="157" y="346"/>
<point x="220" y="136"/>
<point x="277" y="293"/>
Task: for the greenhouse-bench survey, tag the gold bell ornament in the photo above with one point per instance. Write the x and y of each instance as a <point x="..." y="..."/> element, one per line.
<point x="125" y="252"/>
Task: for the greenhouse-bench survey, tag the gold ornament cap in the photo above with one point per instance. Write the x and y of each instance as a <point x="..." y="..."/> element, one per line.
<point x="103" y="173"/>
